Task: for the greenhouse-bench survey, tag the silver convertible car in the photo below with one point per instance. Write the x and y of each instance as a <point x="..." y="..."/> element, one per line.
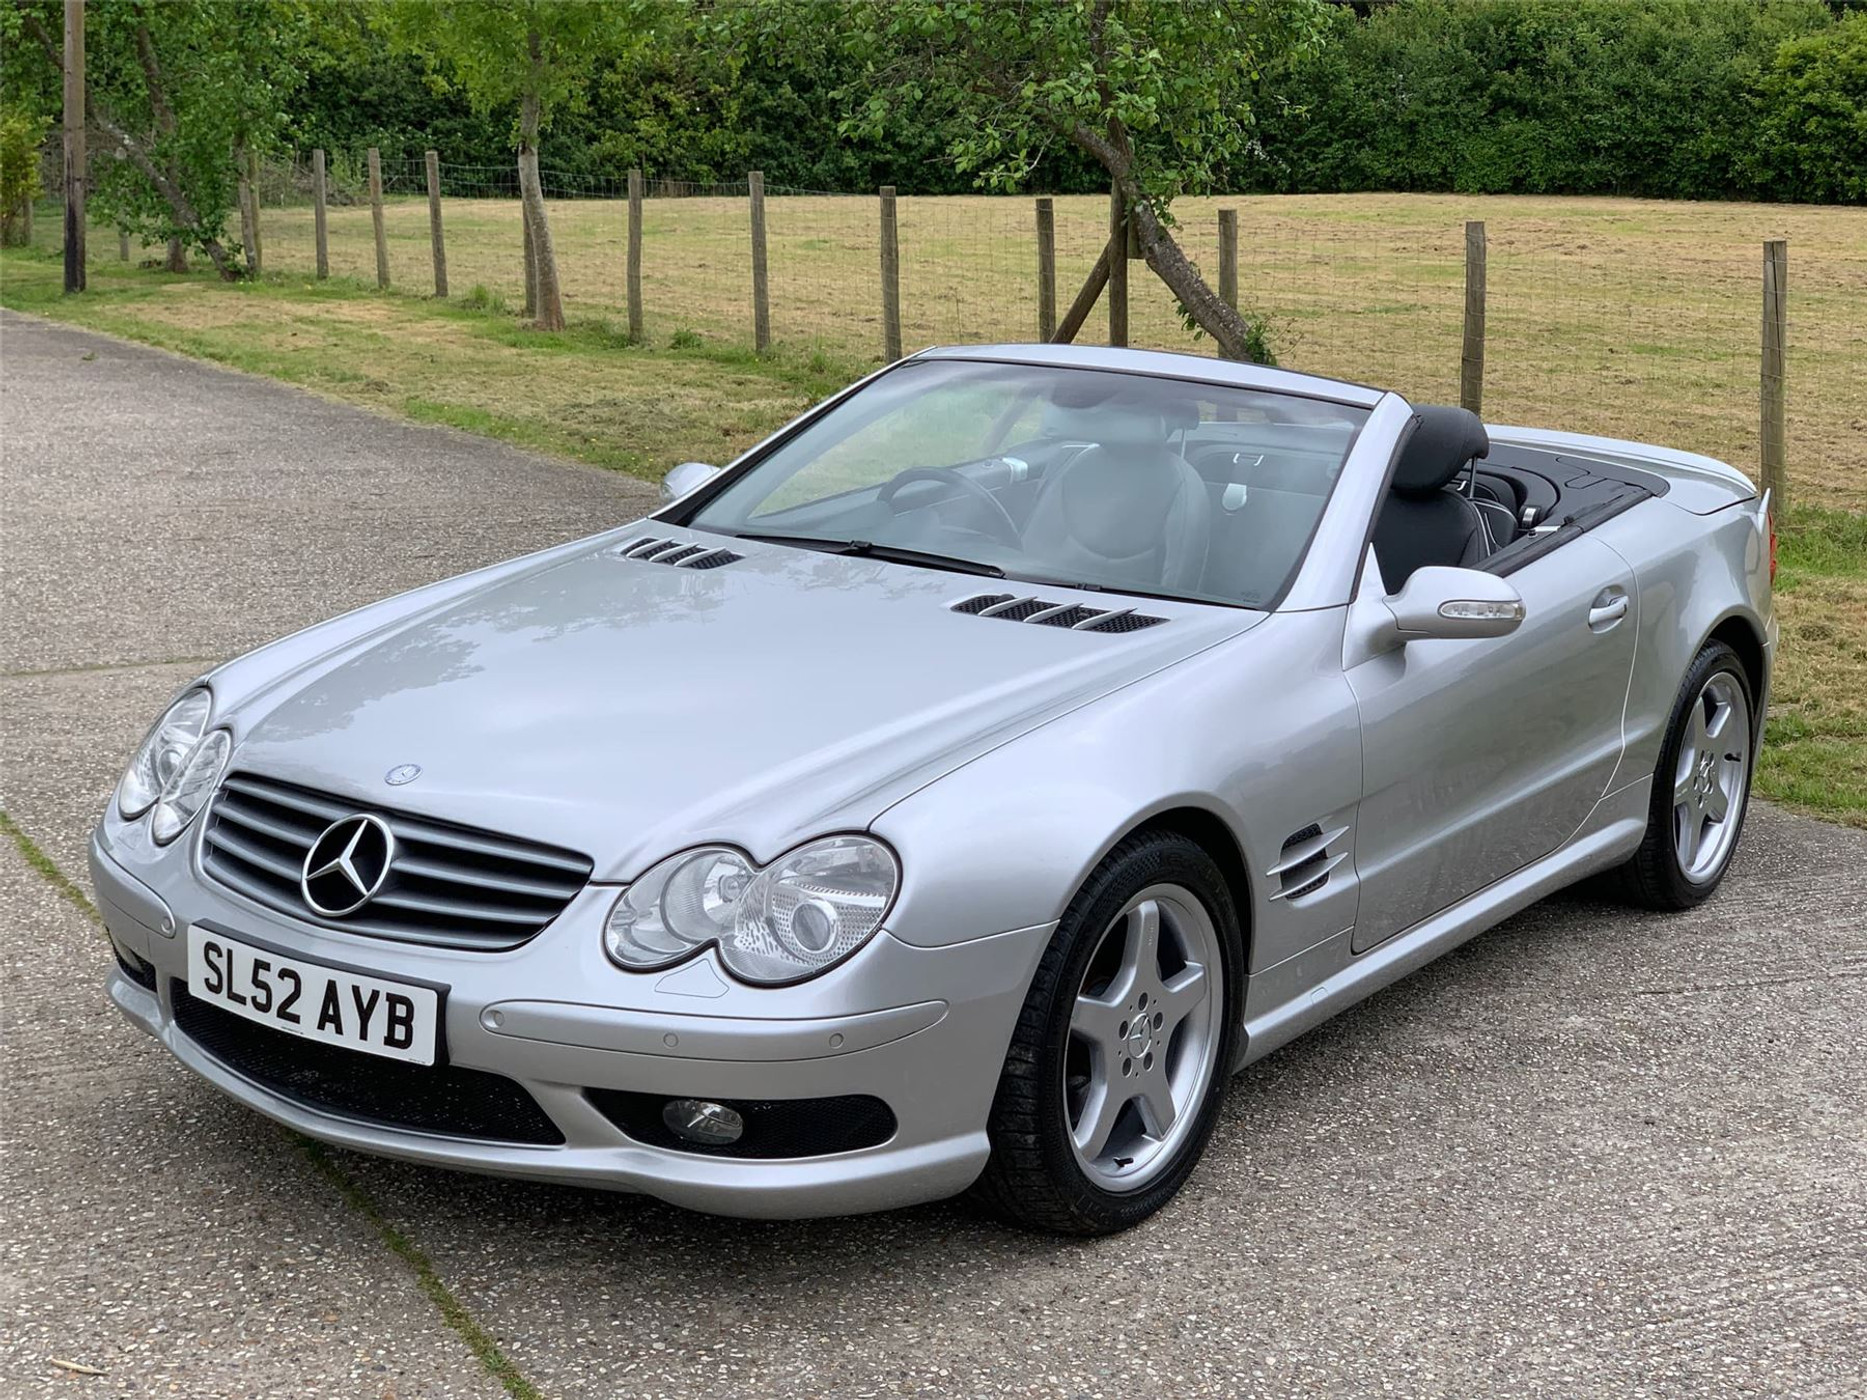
<point x="952" y="793"/>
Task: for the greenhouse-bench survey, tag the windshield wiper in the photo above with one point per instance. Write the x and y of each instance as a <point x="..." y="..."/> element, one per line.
<point x="868" y="549"/>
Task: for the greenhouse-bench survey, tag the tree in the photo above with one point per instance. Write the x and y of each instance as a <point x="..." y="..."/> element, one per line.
<point x="173" y="91"/>
<point x="1812" y="134"/>
<point x="1157" y="92"/>
<point x="20" y="134"/>
<point x="535" y="55"/>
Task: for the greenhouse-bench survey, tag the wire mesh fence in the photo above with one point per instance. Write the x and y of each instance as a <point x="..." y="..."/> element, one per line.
<point x="1636" y="319"/>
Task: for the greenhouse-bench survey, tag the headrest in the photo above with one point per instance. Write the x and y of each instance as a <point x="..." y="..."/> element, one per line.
<point x="1120" y="425"/>
<point x="1444" y="439"/>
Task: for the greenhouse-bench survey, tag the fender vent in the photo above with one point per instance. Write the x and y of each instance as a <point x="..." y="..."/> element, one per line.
<point x="1008" y="607"/>
<point x="1304" y="864"/>
<point x="681" y="556"/>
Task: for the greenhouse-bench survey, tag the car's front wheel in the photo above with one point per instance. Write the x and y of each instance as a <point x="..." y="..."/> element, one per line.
<point x="1122" y="1051"/>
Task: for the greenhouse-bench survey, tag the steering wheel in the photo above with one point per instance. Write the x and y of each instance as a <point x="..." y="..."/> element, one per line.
<point x="1002" y="527"/>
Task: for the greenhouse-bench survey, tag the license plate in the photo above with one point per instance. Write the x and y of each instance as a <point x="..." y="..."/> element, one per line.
<point x="394" y="1019"/>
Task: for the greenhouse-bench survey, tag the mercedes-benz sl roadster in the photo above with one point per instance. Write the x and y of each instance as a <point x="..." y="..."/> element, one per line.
<point x="952" y="793"/>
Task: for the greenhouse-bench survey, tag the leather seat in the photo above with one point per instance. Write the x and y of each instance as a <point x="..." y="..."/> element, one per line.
<point x="1127" y="509"/>
<point x="1423" y="522"/>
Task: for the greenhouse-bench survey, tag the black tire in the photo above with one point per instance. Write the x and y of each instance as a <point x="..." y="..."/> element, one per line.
<point x="1033" y="1177"/>
<point x="1653" y="879"/>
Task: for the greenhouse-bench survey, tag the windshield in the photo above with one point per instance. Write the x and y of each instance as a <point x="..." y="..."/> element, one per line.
<point x="1080" y="477"/>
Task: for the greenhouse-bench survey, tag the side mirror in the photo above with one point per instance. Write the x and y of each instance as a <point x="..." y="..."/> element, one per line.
<point x="689" y="476"/>
<point x="1441" y="602"/>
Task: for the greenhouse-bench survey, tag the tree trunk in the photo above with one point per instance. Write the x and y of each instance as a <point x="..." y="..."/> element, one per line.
<point x="177" y="260"/>
<point x="549" y="312"/>
<point x="531" y="262"/>
<point x="1165" y="256"/>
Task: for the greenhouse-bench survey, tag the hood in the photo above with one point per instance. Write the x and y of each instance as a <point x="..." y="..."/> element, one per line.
<point x="627" y="708"/>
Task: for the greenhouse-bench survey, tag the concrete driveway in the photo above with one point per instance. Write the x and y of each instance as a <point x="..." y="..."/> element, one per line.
<point x="1592" y="1152"/>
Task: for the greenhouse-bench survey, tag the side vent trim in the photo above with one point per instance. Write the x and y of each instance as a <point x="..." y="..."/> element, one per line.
<point x="1307" y="858"/>
<point x="1043" y="612"/>
<point x="651" y="550"/>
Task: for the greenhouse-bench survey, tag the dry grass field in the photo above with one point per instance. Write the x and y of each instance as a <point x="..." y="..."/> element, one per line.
<point x="1627" y="317"/>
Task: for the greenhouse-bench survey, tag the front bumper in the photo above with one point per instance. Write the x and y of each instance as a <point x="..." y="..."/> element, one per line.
<point x="922" y="1029"/>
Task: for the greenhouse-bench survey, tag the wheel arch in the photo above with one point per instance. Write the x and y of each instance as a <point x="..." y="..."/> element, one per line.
<point x="1214" y="835"/>
<point x="1744" y="637"/>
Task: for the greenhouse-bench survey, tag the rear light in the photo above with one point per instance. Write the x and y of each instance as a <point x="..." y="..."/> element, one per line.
<point x="1769" y="520"/>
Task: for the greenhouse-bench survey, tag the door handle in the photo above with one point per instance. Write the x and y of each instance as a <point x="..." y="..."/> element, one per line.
<point x="1607" y="612"/>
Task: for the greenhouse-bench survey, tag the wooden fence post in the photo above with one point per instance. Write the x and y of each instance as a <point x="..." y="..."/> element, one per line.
<point x="761" y="304"/>
<point x="382" y="237"/>
<point x="434" y="224"/>
<point x="1774" y="399"/>
<point x="256" y="254"/>
<point x="1118" y="268"/>
<point x="891" y="280"/>
<point x="1046" y="268"/>
<point x="1228" y="257"/>
<point x="123" y="246"/>
<point x="320" y="230"/>
<point x="635" y="256"/>
<point x="1472" y="355"/>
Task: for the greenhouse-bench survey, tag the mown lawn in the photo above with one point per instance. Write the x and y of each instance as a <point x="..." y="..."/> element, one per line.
<point x="1679" y="373"/>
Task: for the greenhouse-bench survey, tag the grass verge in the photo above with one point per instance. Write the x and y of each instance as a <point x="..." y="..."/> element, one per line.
<point x="590" y="394"/>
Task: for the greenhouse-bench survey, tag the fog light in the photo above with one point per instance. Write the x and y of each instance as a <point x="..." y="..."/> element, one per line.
<point x="697" y="1120"/>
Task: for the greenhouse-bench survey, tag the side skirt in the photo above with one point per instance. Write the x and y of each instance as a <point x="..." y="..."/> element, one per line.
<point x="1616" y="830"/>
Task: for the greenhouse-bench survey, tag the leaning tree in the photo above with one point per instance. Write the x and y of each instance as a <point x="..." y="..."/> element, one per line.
<point x="1157" y="92"/>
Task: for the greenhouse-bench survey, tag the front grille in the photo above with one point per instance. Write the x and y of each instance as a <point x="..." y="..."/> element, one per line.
<point x="446" y="1099"/>
<point x="449" y="886"/>
<point x="773" y="1127"/>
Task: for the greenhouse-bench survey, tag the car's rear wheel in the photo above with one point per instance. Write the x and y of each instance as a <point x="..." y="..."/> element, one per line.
<point x="1121" y="1054"/>
<point x="1701" y="788"/>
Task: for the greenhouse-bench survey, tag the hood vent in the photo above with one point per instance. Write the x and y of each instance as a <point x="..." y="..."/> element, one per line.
<point x="1008" y="607"/>
<point x="681" y="556"/>
<point x="1307" y="858"/>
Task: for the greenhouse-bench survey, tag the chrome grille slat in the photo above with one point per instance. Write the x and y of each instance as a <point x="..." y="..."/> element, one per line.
<point x="500" y="884"/>
<point x="451" y="908"/>
<point x="651" y="549"/>
<point x="1042" y="612"/>
<point x="252" y="855"/>
<point x="447" y="886"/>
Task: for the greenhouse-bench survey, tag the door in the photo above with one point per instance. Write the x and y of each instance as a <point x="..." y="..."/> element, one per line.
<point x="1479" y="756"/>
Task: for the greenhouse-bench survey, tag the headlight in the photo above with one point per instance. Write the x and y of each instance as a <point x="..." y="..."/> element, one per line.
<point x="792" y="919"/>
<point x="163" y="753"/>
<point x="188" y="791"/>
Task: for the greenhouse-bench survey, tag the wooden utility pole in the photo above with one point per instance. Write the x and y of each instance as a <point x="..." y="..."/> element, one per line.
<point x="1118" y="268"/>
<point x="74" y="145"/>
<point x="891" y="280"/>
<point x="1472" y="355"/>
<point x="1774" y="399"/>
<point x="761" y="301"/>
<point x="435" y="240"/>
<point x="318" y="224"/>
<point x="635" y="257"/>
<point x="382" y="237"/>
<point x="1046" y="268"/>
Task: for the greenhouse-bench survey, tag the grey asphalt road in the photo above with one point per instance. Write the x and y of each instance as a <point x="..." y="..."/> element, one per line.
<point x="1590" y="1153"/>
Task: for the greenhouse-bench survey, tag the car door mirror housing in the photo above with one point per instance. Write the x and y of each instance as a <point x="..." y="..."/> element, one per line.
<point x="1441" y="602"/>
<point x="689" y="476"/>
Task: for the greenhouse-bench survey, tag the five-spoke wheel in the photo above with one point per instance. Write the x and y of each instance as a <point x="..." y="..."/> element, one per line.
<point x="1119" y="1061"/>
<point x="1144" y="1036"/>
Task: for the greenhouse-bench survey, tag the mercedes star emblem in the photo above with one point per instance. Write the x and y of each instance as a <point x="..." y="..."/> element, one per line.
<point x="347" y="865"/>
<point x="402" y="773"/>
